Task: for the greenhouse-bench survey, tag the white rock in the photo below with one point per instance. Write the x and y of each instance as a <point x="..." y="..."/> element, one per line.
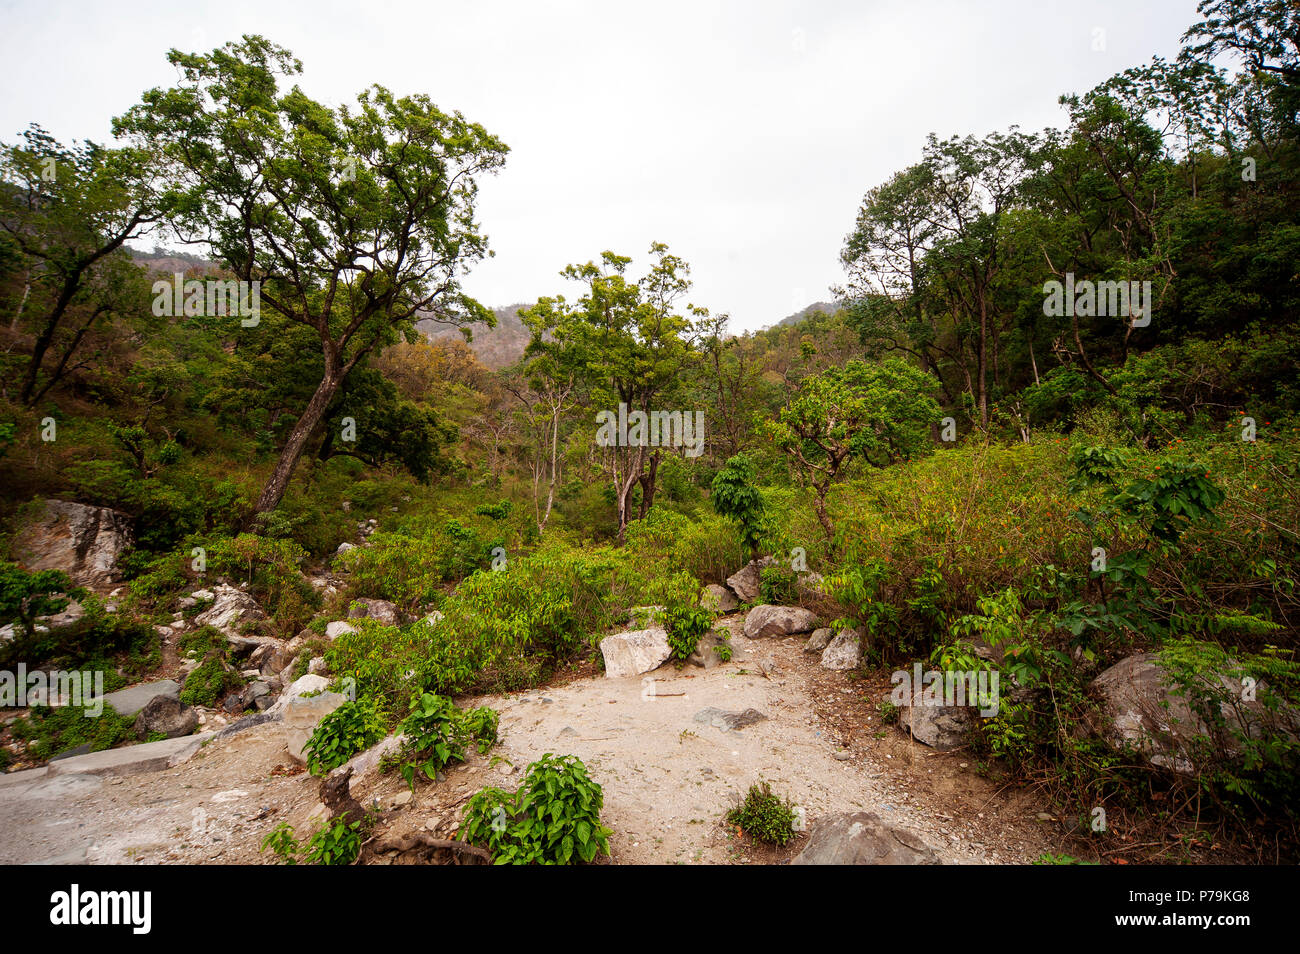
<point x="635" y="652"/>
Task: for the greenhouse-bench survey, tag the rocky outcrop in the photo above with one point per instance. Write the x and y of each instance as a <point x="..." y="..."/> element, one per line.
<point x="863" y="838"/>
<point x="635" y="652"/>
<point x="232" y="611"/>
<point x="763" y="621"/>
<point x="82" y="541"/>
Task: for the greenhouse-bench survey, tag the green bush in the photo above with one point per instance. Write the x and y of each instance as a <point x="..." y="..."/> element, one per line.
<point x="51" y="730"/>
<point x="351" y="728"/>
<point x="552" y="819"/>
<point x="438" y="733"/>
<point x="209" y="682"/>
<point x="764" y="817"/>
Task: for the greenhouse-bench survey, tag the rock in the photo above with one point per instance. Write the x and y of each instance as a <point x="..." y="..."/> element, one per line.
<point x="940" y="727"/>
<point x="232" y="610"/>
<point x="316" y="666"/>
<point x="635" y="652"/>
<point x="767" y="620"/>
<point x="130" y="701"/>
<point x="65" y="617"/>
<point x="705" y="655"/>
<point x="728" y="721"/>
<point x="843" y="652"/>
<point x="1144" y="714"/>
<point x="205" y="596"/>
<point x="819" y="640"/>
<point x="368" y="761"/>
<point x="863" y="838"/>
<point x="433" y="619"/>
<point x="167" y="715"/>
<point x="344" y="547"/>
<point x="301" y="715"/>
<point x="132" y="759"/>
<point x="337" y="628"/>
<point x="745" y="581"/>
<point x="84" y="542"/>
<point x="719" y="599"/>
<point x="308" y="683"/>
<point x="381" y="611"/>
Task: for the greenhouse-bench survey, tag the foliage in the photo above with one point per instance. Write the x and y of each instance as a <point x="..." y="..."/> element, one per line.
<point x="764" y="816"/>
<point x="351" y="728"/>
<point x="438" y="733"/>
<point x="552" y="818"/>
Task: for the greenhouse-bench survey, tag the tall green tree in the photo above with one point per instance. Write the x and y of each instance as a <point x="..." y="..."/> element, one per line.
<point x="357" y="221"/>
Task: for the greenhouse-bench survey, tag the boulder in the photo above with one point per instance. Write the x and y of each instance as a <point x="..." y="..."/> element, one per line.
<point x="344" y="547"/>
<point x="381" y="611"/>
<point x="130" y="701"/>
<point x="301" y="716"/>
<point x="705" y="655"/>
<point x="863" y="838"/>
<point x="296" y="689"/>
<point x="719" y="599"/>
<point x="1144" y="714"/>
<point x="635" y="652"/>
<point x="745" y="581"/>
<point x="940" y="727"/>
<point x="767" y="620"/>
<point x="819" y="640"/>
<point x="167" y="715"/>
<point x="433" y="619"/>
<point x="232" y="609"/>
<point x="843" y="652"/>
<point x="82" y="541"/>
<point x="337" y="628"/>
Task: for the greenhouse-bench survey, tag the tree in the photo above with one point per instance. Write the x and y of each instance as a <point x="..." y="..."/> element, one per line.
<point x="356" y="221"/>
<point x="72" y="212"/>
<point x="630" y="345"/>
<point x="874" y="413"/>
<point x="735" y="497"/>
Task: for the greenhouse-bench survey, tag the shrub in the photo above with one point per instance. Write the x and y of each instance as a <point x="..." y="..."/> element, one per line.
<point x="438" y="733"/>
<point x="51" y="730"/>
<point x="209" y="681"/>
<point x="553" y="818"/>
<point x="764" y="817"/>
<point x="351" y="728"/>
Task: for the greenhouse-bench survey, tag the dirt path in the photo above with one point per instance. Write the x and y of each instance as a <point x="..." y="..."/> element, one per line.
<point x="667" y="777"/>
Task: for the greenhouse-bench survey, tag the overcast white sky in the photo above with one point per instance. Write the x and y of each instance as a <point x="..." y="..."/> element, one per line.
<point x="742" y="134"/>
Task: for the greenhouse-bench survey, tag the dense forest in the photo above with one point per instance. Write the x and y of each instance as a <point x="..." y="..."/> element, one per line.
<point x="1050" y="423"/>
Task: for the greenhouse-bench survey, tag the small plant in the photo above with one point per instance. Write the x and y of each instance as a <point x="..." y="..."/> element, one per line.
<point x="552" y="819"/>
<point x="779" y="585"/>
<point x="723" y="649"/>
<point x="351" y="728"/>
<point x="437" y="733"/>
<point x="764" y="817"/>
<point x="337" y="843"/>
<point x="209" y="682"/>
<point x="888" y="712"/>
<point x="282" y="842"/>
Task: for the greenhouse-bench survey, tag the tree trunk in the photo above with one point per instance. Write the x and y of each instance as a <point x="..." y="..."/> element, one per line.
<point x="274" y="490"/>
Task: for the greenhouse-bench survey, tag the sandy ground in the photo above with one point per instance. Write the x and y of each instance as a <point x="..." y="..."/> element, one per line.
<point x="668" y="779"/>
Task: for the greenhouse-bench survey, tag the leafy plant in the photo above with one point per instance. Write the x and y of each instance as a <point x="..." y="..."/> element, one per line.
<point x="438" y="733"/>
<point x="351" y="728"/>
<point x="552" y="818"/>
<point x="764" y="816"/>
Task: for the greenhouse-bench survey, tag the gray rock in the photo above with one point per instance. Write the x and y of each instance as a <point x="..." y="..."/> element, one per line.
<point x="635" y="652"/>
<point x="1144" y="714"/>
<point x="167" y="715"/>
<point x="231" y="610"/>
<point x="719" y="599"/>
<point x="298" y="688"/>
<point x="344" y="547"/>
<point x="82" y="541"/>
<point x="728" y="721"/>
<point x="132" y="759"/>
<point x="863" y="838"/>
<point x="940" y="727"/>
<point x="706" y="655"/>
<point x="745" y="582"/>
<point x="381" y="611"/>
<point x="301" y="716"/>
<point x="763" y="621"/>
<point x="843" y="652"/>
<point x="337" y="628"/>
<point x="131" y="700"/>
<point x="819" y="640"/>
